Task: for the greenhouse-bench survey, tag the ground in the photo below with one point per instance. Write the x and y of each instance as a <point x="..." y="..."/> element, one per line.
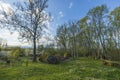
<point x="79" y="69"/>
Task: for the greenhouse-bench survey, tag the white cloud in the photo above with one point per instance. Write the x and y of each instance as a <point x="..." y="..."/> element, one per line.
<point x="5" y="34"/>
<point x="12" y="39"/>
<point x="61" y="14"/>
<point x="71" y="5"/>
<point x="6" y="7"/>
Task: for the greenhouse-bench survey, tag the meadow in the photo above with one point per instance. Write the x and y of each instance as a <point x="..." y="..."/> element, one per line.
<point x="78" y="69"/>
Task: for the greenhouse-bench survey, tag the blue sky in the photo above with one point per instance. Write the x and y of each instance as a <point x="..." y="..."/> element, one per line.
<point x="69" y="10"/>
<point x="72" y="9"/>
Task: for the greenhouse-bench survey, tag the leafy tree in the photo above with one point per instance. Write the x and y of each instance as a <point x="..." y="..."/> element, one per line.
<point x="85" y="36"/>
<point x="62" y="36"/>
<point x="114" y="31"/>
<point x="73" y="39"/>
<point x="96" y="34"/>
<point x="97" y="17"/>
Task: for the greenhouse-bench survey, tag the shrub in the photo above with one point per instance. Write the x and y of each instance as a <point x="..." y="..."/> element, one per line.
<point x="17" y="52"/>
<point x="14" y="54"/>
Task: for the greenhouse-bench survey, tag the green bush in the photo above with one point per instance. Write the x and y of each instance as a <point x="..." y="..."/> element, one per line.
<point x="14" y="54"/>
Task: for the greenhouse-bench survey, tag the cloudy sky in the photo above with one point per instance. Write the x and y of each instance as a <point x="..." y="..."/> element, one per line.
<point x="62" y="11"/>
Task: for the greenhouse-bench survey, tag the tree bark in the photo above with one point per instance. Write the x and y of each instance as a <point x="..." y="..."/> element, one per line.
<point x="34" y="50"/>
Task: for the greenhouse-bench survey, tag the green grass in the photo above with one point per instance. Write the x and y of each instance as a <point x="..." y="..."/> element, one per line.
<point x="79" y="69"/>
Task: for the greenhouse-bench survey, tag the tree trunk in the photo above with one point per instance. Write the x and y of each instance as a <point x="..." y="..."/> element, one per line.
<point x="34" y="50"/>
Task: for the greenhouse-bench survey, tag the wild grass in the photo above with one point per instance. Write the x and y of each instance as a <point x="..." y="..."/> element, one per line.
<point x="79" y="69"/>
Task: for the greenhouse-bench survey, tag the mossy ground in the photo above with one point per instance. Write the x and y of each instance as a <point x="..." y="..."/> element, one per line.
<point x="79" y="69"/>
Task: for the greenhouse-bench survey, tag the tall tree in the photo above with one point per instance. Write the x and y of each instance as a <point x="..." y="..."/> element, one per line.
<point x="114" y="33"/>
<point x="97" y="17"/>
<point x="73" y="39"/>
<point x="28" y="19"/>
<point x="62" y="36"/>
<point x="85" y="35"/>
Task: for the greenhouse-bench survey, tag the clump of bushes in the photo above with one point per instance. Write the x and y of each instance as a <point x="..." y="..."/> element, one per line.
<point x="15" y="53"/>
<point x="48" y="58"/>
<point x="53" y="59"/>
<point x="53" y="56"/>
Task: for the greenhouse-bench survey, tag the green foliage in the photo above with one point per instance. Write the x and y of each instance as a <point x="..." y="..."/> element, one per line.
<point x="114" y="54"/>
<point x="16" y="52"/>
<point x="79" y="69"/>
<point x="40" y="48"/>
<point x="51" y="51"/>
<point x="60" y="52"/>
<point x="95" y="35"/>
<point x="62" y="35"/>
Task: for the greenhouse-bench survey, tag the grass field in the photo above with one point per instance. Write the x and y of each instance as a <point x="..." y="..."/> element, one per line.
<point x="79" y="69"/>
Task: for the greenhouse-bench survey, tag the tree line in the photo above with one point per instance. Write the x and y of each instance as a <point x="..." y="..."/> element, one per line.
<point x="95" y="35"/>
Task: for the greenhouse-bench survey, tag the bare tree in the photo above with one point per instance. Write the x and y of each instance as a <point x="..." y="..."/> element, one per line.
<point x="29" y="19"/>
